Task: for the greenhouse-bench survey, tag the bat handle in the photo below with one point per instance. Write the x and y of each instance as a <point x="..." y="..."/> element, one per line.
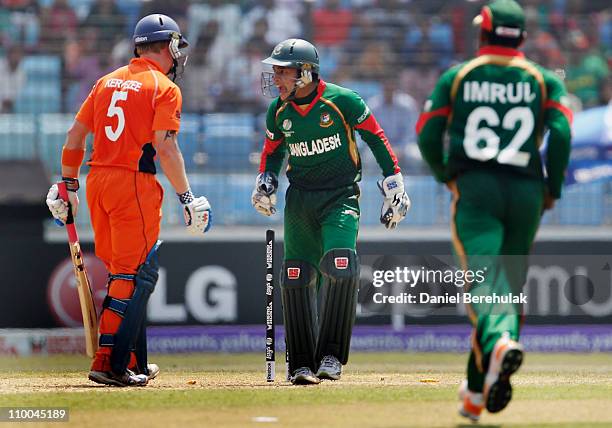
<point x="72" y="233"/>
<point x="153" y="251"/>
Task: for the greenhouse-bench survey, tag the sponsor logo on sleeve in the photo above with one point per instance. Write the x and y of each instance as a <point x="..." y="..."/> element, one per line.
<point x="365" y="114"/>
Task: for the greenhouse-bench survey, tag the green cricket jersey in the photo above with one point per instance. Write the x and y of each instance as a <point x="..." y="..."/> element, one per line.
<point x="496" y="109"/>
<point x="320" y="139"/>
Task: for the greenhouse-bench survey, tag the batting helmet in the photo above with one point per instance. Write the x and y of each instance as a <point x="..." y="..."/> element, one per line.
<point x="157" y="28"/>
<point x="294" y="53"/>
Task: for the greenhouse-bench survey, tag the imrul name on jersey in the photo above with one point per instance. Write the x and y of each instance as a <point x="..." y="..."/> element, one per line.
<point x="502" y="93"/>
<point x="315" y="147"/>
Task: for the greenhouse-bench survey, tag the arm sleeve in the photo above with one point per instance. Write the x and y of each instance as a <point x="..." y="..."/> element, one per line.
<point x="86" y="112"/>
<point x="431" y="126"/>
<point x="274" y="150"/>
<point x="558" y="119"/>
<point x="359" y="117"/>
<point x="168" y="106"/>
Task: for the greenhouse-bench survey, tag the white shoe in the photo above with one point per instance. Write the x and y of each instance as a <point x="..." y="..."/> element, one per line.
<point x="330" y="368"/>
<point x="471" y="402"/>
<point x="153" y="371"/>
<point x="304" y="376"/>
<point x="506" y="358"/>
<point x="126" y="379"/>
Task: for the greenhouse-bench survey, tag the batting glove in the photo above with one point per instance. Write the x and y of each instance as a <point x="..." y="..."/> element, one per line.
<point x="59" y="207"/>
<point x="197" y="213"/>
<point x="396" y="202"/>
<point x="263" y="197"/>
<point x="304" y="79"/>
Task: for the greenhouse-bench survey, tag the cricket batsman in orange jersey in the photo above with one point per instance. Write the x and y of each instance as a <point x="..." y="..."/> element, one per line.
<point x="134" y="113"/>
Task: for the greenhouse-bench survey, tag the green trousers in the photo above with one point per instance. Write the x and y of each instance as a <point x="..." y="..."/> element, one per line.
<point x="317" y="221"/>
<point x="494" y="222"/>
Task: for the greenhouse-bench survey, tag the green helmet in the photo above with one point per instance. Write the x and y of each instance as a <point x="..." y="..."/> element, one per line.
<point x="292" y="53"/>
<point x="295" y="53"/>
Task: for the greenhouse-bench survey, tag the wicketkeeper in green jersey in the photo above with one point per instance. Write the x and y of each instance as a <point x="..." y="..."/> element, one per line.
<point x="315" y="122"/>
<point x="495" y="109"/>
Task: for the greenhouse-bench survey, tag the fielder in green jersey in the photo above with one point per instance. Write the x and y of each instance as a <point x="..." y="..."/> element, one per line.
<point x="314" y="123"/>
<point x="496" y="108"/>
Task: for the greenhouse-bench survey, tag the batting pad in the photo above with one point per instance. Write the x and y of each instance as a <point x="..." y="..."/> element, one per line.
<point x="133" y="321"/>
<point x="298" y="292"/>
<point x="340" y="270"/>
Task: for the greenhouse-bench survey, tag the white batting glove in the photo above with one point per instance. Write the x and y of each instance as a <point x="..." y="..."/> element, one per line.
<point x="305" y="78"/>
<point x="59" y="207"/>
<point x="263" y="197"/>
<point x="197" y="213"/>
<point x="396" y="202"/>
<point x="263" y="204"/>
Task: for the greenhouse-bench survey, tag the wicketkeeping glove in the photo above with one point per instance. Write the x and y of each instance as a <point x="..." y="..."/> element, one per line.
<point x="305" y="78"/>
<point x="263" y="197"/>
<point x="396" y="203"/>
<point x="197" y="213"/>
<point x="59" y="207"/>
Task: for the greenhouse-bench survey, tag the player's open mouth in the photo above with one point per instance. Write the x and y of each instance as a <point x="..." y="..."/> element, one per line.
<point x="283" y="91"/>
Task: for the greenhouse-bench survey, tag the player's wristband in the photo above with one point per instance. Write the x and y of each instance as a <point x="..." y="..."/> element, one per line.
<point x="72" y="184"/>
<point x="72" y="157"/>
<point x="186" y="197"/>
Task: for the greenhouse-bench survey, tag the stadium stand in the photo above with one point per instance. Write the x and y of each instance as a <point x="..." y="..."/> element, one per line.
<point x="222" y="131"/>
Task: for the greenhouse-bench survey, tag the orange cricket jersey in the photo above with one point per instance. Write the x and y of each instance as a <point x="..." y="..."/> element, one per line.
<point x="123" y="110"/>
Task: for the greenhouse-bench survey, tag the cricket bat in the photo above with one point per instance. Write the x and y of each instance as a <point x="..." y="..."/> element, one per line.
<point x="88" y="307"/>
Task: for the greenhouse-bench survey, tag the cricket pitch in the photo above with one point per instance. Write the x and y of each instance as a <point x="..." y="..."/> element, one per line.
<point x="376" y="390"/>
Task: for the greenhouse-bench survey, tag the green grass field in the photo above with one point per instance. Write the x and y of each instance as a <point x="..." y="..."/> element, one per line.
<point x="377" y="390"/>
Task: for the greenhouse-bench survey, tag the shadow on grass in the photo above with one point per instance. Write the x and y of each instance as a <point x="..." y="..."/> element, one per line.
<point x="472" y="425"/>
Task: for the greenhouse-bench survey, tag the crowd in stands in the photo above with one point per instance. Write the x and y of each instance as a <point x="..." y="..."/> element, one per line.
<point x="391" y="51"/>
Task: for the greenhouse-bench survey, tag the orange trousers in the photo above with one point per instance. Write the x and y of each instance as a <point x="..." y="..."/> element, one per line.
<point x="125" y="210"/>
